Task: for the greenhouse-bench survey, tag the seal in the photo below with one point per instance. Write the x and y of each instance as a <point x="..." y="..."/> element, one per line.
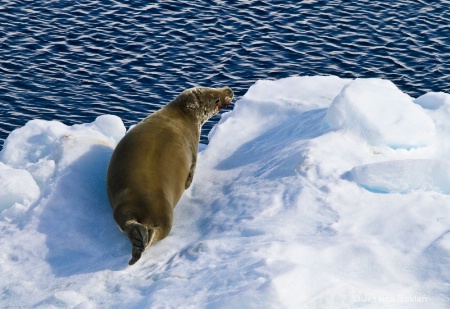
<point x="154" y="163"/>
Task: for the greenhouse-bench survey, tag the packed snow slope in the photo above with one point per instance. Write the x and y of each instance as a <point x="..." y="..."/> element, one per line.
<point x="314" y="192"/>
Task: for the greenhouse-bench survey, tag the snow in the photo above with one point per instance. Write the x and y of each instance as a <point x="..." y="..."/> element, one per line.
<point x="404" y="176"/>
<point x="379" y="112"/>
<point x="314" y="192"/>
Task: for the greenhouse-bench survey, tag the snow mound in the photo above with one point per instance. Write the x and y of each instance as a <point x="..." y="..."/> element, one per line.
<point x="18" y="186"/>
<point x="308" y="92"/>
<point x="404" y="176"/>
<point x="36" y="153"/>
<point x="379" y="112"/>
<point x="433" y="100"/>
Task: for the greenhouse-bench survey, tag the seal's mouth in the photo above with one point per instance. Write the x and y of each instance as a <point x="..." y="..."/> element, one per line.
<point x="226" y="103"/>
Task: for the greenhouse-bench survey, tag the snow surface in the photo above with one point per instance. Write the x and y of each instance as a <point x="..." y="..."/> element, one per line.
<point x="314" y="192"/>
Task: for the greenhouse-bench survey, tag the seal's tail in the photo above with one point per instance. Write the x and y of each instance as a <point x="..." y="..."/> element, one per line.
<point x="139" y="236"/>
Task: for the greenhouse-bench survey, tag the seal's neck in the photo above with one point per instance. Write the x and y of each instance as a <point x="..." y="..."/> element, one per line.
<point x="189" y="104"/>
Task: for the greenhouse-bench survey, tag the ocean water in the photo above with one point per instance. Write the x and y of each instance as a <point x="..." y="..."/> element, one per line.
<point x="75" y="60"/>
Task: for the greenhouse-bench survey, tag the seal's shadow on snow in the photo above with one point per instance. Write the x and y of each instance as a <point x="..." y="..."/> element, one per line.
<point x="81" y="235"/>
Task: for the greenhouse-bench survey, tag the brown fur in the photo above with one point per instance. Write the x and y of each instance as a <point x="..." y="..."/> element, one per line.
<point x="155" y="162"/>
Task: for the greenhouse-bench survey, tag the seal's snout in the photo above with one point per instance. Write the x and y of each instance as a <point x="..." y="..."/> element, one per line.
<point x="228" y="96"/>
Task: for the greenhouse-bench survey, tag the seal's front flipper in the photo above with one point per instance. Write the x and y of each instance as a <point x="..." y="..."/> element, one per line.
<point x="139" y="237"/>
<point x="191" y="170"/>
<point x="189" y="181"/>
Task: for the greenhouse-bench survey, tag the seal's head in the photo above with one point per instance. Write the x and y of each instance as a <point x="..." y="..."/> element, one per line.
<point x="203" y="103"/>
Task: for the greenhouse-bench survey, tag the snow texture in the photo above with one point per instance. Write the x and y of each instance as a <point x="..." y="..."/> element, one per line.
<point x="314" y="192"/>
<point x="380" y="113"/>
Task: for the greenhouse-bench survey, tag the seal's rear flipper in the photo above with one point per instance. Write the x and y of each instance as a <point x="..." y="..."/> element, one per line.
<point x="135" y="255"/>
<point x="139" y="237"/>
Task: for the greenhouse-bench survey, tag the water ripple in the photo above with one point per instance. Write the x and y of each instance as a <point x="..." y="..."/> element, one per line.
<point x="74" y="60"/>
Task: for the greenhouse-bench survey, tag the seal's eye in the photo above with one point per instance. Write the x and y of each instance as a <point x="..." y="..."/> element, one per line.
<point x="217" y="101"/>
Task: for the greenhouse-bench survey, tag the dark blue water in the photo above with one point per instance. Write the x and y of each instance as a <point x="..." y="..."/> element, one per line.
<point x="74" y="60"/>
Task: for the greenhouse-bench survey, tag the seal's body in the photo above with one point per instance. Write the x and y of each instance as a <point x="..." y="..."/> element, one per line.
<point x="154" y="163"/>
